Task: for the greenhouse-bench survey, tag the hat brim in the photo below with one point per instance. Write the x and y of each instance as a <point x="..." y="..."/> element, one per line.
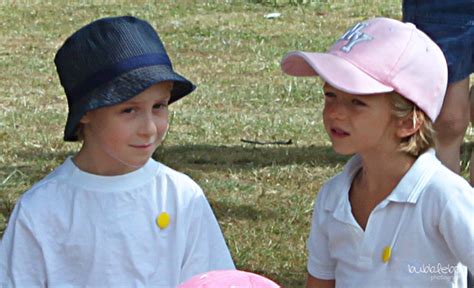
<point x="338" y="72"/>
<point x="123" y="88"/>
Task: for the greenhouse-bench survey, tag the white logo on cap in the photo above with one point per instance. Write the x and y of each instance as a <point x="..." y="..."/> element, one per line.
<point x="354" y="36"/>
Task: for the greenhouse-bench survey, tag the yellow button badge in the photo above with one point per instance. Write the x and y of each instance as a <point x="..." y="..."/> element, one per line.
<point x="386" y="254"/>
<point x="163" y="220"/>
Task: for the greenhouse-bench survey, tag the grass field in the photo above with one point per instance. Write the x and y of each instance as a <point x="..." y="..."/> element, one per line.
<point x="262" y="194"/>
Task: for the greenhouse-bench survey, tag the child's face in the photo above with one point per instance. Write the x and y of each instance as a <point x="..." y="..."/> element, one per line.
<point x="359" y="123"/>
<point x="121" y="138"/>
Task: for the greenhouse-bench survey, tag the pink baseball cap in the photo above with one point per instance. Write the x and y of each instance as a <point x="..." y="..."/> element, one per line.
<point x="228" y="279"/>
<point x="376" y="56"/>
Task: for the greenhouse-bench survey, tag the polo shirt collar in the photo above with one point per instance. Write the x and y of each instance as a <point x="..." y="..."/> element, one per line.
<point x="408" y="189"/>
<point x="338" y="198"/>
<point x="414" y="181"/>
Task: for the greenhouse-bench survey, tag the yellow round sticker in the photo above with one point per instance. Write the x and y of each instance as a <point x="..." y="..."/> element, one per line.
<point x="163" y="220"/>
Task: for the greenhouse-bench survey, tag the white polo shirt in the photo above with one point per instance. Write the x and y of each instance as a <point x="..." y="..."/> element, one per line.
<point x="75" y="229"/>
<point x="428" y="221"/>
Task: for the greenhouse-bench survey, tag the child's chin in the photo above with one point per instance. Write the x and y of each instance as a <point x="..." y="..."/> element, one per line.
<point x="344" y="152"/>
<point x="139" y="164"/>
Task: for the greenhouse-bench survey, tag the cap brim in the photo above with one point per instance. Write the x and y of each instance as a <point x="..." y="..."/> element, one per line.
<point x="334" y="70"/>
<point x="124" y="88"/>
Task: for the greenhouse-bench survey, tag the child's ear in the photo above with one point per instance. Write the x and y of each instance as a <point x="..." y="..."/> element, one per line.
<point x="409" y="124"/>
<point x="85" y="119"/>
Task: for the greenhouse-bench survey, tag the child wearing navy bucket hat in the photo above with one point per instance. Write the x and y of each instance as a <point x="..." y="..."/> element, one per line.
<point x="395" y="216"/>
<point x="111" y="216"/>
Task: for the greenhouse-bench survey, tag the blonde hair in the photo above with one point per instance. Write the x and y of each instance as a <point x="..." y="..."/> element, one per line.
<point x="423" y="139"/>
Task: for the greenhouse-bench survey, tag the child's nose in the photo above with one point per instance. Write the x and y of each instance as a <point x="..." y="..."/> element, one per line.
<point x="337" y="110"/>
<point x="148" y="126"/>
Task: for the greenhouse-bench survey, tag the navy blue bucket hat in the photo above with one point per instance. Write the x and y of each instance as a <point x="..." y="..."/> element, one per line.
<point x="109" y="61"/>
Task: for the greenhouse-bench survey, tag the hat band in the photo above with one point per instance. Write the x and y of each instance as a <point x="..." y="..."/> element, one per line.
<point x="117" y="69"/>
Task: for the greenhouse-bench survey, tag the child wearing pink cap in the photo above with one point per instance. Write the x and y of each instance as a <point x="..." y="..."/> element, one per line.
<point x="395" y="216"/>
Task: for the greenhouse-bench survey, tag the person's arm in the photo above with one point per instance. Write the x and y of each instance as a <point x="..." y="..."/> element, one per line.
<point x="457" y="218"/>
<point x="321" y="265"/>
<point x="312" y="282"/>
<point x="21" y="257"/>
<point x="206" y="249"/>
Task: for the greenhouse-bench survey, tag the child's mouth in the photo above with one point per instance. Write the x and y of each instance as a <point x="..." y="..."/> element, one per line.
<point x="339" y="132"/>
<point x="142" y="146"/>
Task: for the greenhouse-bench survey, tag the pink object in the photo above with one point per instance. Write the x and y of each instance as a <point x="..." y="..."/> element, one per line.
<point x="380" y="55"/>
<point x="228" y="279"/>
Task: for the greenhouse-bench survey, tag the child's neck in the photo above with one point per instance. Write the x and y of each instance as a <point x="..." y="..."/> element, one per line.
<point x="381" y="173"/>
<point x="377" y="178"/>
<point x="104" y="166"/>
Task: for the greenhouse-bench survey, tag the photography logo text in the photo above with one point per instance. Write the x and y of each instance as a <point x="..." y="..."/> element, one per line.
<point x="437" y="271"/>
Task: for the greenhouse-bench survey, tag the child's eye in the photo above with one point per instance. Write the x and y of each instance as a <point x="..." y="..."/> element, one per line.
<point x="329" y="94"/>
<point x="160" y="106"/>
<point x="358" y="102"/>
<point x="128" y="110"/>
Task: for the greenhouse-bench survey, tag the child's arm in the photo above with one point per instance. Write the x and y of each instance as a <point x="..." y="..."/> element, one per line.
<point x="320" y="265"/>
<point x="457" y="225"/>
<point x="21" y="258"/>
<point x="319" y="283"/>
<point x="206" y="249"/>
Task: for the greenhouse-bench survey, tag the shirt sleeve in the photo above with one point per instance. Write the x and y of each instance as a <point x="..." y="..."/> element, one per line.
<point x="21" y="258"/>
<point x="457" y="226"/>
<point x="206" y="249"/>
<point x="320" y="263"/>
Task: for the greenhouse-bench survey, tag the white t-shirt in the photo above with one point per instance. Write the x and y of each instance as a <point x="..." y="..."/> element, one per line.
<point x="75" y="229"/>
<point x="428" y="221"/>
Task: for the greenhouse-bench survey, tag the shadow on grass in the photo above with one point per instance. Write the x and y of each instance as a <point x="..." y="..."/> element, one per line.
<point x="209" y="157"/>
<point x="34" y="164"/>
<point x="290" y="279"/>
<point x="226" y="210"/>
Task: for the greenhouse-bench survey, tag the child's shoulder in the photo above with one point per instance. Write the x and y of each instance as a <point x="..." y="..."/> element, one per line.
<point x="434" y="185"/>
<point x="174" y="176"/>
<point x="59" y="173"/>
<point x="46" y="188"/>
<point x="445" y="184"/>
